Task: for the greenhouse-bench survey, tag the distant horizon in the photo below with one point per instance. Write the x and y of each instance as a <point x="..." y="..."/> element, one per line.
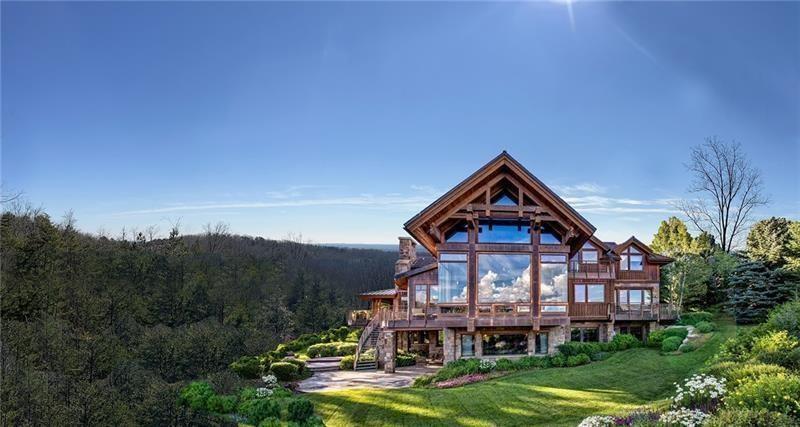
<point x="283" y="119"/>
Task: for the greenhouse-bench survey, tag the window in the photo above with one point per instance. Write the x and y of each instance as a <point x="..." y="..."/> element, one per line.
<point x="635" y="296"/>
<point x="504" y="278"/>
<point x="420" y="296"/>
<point x="467" y="345"/>
<point x="457" y="234"/>
<point x="452" y="279"/>
<point x="553" y="279"/>
<point x="631" y="259"/>
<point x="504" y="198"/>
<point x="502" y="344"/>
<point x="403" y="301"/>
<point x="541" y="343"/>
<point x="590" y="293"/>
<point x="548" y="236"/>
<point x="585" y="335"/>
<point x="497" y="231"/>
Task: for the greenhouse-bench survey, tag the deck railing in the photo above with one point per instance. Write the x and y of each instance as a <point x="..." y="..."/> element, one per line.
<point x="649" y="273"/>
<point x="599" y="310"/>
<point x="589" y="270"/>
<point x="373" y="323"/>
<point x="358" y="317"/>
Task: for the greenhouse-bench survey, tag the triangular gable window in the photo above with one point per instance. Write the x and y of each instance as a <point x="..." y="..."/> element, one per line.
<point x="504" y="198"/>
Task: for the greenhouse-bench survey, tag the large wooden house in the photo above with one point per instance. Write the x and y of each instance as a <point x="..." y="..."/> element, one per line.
<point x="510" y="269"/>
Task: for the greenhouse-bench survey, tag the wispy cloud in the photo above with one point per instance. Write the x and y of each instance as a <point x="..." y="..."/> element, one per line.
<point x="581" y="188"/>
<point x="293" y="191"/>
<point x="589" y="197"/>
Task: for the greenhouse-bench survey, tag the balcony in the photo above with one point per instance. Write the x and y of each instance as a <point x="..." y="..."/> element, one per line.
<point x="358" y="318"/>
<point x="650" y="274"/>
<point x="579" y="270"/>
<point x="590" y="311"/>
<point x="645" y="312"/>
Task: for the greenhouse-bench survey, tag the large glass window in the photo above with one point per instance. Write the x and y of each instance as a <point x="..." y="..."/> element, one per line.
<point x="541" y="342"/>
<point x="504" y="198"/>
<point x="452" y="279"/>
<point x="631" y="259"/>
<point x="420" y="296"/>
<point x="585" y="335"/>
<point x="553" y="281"/>
<point x="457" y="234"/>
<point x="502" y="344"/>
<point x="548" y="236"/>
<point x="500" y="231"/>
<point x="635" y="296"/>
<point x="504" y="278"/>
<point x="467" y="346"/>
<point x="589" y="293"/>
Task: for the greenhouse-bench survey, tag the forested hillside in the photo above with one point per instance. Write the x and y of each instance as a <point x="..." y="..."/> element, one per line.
<point x="103" y="331"/>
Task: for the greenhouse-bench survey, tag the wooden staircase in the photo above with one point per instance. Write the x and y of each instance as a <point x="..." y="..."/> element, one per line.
<point x="368" y="341"/>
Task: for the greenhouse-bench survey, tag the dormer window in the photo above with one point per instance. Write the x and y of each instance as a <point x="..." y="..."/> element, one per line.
<point x="549" y="236"/>
<point x="587" y="255"/>
<point x="631" y="259"/>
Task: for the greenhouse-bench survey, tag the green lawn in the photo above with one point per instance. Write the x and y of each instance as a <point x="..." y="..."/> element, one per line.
<point x="552" y="397"/>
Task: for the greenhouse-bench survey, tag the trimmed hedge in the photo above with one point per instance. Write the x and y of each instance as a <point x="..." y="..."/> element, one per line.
<point x="284" y="371"/>
<point x="578" y="359"/>
<point x="692" y="318"/>
<point x="671" y="344"/>
<point x="331" y="349"/>
<point x="346" y="364"/>
<point x="656" y="338"/>
<point x="704" y="327"/>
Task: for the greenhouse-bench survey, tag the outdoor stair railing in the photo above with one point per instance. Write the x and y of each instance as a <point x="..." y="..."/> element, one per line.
<point x="365" y="334"/>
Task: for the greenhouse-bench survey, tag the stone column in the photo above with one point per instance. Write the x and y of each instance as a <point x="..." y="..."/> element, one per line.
<point x="608" y="332"/>
<point x="531" y="343"/>
<point x="432" y="338"/>
<point x="557" y="336"/>
<point x="389" y="351"/>
<point x="478" y="340"/>
<point x="449" y="345"/>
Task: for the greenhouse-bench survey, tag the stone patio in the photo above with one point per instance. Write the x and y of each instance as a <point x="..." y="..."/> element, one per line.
<point x="338" y="380"/>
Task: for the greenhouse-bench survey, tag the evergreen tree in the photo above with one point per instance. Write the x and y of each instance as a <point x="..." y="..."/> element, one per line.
<point x="755" y="289"/>
<point x="672" y="238"/>
<point x="769" y="241"/>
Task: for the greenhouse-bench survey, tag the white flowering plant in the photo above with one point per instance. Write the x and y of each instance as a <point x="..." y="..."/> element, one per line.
<point x="487" y="365"/>
<point x="702" y="392"/>
<point x="263" y="392"/>
<point x="270" y="381"/>
<point x="598" y="421"/>
<point x="683" y="417"/>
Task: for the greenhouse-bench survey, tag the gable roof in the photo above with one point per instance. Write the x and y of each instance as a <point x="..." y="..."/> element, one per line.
<point x="503" y="160"/>
<point x="651" y="255"/>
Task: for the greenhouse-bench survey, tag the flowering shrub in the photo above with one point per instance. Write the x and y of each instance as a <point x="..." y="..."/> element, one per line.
<point x="777" y="393"/>
<point x="487" y="365"/>
<point x="466" y="379"/>
<point x="263" y="392"/>
<point x="683" y="417"/>
<point x="775" y="347"/>
<point x="598" y="421"/>
<point x="699" y="391"/>
<point x="270" y="381"/>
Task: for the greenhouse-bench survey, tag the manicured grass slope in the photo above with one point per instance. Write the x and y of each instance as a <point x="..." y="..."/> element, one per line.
<point x="551" y="397"/>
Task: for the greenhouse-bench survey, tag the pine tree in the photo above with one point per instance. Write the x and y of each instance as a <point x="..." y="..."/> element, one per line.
<point x="755" y="289"/>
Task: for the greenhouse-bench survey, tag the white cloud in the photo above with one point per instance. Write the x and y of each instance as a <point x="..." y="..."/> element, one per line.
<point x="580" y="188"/>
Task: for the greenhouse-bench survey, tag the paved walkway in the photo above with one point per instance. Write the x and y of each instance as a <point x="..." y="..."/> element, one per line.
<point x="338" y="380"/>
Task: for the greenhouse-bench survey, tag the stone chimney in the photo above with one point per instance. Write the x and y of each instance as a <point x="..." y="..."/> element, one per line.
<point x="408" y="253"/>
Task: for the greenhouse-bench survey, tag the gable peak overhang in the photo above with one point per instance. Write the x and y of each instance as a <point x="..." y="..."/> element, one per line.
<point x="503" y="166"/>
<point x="652" y="256"/>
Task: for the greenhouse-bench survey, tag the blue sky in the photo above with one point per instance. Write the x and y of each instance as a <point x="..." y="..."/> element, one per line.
<point x="339" y="121"/>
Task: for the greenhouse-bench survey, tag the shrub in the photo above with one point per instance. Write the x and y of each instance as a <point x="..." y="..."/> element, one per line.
<point x="284" y="371"/>
<point x="247" y="367"/>
<point x="346" y="364"/>
<point x="699" y="391"/>
<point x="750" y="418"/>
<point x="505" y="365"/>
<point x="346" y="348"/>
<point x="598" y="421"/>
<point x="558" y="360"/>
<point x="331" y="349"/>
<point x="487" y="365"/>
<point x="747" y="372"/>
<point x="196" y="395"/>
<point x="302" y="368"/>
<point x="461" y="381"/>
<point x="299" y="410"/>
<point x="786" y="317"/>
<point x="739" y="348"/>
<point x="671" y="344"/>
<point x="256" y="410"/>
<point x="625" y="341"/>
<point x="221" y="404"/>
<point x="776" y="393"/>
<point x="600" y="355"/>
<point x="578" y="359"/>
<point x="573" y="348"/>
<point x="458" y="368"/>
<point x="687" y="348"/>
<point x="695" y="317"/>
<point x="656" y="338"/>
<point x="704" y="327"/>
<point x="775" y="347"/>
<point x="270" y="422"/>
<point x="405" y="359"/>
<point x="424" y="380"/>
<point x="527" y="362"/>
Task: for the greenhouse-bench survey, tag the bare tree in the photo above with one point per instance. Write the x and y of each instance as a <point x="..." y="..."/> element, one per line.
<point x="216" y="235"/>
<point x="727" y="189"/>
